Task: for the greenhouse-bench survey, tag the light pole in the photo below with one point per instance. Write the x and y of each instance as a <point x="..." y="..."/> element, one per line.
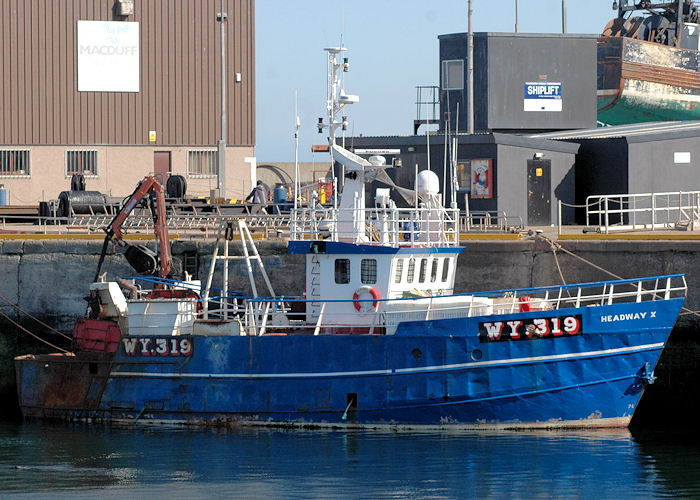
<point x="563" y="16"/>
<point x="222" y="17"/>
<point x="470" y="74"/>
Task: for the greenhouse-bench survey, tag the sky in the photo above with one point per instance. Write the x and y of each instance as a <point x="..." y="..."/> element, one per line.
<point x="392" y="46"/>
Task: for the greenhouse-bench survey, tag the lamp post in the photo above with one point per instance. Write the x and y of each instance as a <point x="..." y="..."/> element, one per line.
<point x="222" y="17"/>
<point x="563" y="16"/>
<point x="470" y="73"/>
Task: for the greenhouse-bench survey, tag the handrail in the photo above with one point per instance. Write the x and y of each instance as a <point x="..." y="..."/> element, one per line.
<point x="649" y="211"/>
<point x="478" y="220"/>
<point x="391" y="226"/>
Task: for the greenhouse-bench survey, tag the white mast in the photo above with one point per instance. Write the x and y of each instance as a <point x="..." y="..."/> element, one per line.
<point x="352" y="203"/>
<point x="296" y="152"/>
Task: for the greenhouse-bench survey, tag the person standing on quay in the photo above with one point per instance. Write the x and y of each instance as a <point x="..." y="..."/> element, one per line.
<point x="259" y="197"/>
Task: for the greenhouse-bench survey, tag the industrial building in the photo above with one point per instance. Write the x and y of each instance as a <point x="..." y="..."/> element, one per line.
<point x="517" y="177"/>
<point x="522" y="81"/>
<point x="118" y="89"/>
<point x="640" y="158"/>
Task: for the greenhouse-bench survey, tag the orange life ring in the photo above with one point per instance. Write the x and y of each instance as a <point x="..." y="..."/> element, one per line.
<point x="365" y="289"/>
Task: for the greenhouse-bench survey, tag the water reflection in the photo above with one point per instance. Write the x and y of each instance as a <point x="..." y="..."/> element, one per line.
<point x="78" y="460"/>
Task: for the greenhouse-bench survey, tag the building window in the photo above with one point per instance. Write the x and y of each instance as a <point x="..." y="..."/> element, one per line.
<point x="342" y="271"/>
<point x="445" y="269"/>
<point x="423" y="268"/>
<point x="14" y="162"/>
<point x="81" y="162"/>
<point x="202" y="162"/>
<point x="410" y="273"/>
<point x="434" y="271"/>
<point x="453" y="74"/>
<point x="368" y="271"/>
<point x="398" y="271"/>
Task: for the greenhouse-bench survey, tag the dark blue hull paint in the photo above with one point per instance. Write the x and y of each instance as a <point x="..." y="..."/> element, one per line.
<point x="435" y="373"/>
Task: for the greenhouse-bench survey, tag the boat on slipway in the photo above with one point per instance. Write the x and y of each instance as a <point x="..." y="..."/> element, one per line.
<point x="379" y="337"/>
<point x="648" y="65"/>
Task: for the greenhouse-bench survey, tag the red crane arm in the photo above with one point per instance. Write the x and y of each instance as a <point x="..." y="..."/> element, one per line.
<point x="114" y="230"/>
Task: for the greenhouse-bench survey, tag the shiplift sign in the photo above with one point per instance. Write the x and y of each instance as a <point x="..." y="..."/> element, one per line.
<point x="108" y="56"/>
<point x="542" y="96"/>
<point x="530" y="329"/>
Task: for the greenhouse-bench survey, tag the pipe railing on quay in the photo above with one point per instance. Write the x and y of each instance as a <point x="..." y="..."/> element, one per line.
<point x="199" y="222"/>
<point x="644" y="211"/>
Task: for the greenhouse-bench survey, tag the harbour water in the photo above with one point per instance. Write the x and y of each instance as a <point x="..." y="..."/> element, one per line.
<point x="95" y="461"/>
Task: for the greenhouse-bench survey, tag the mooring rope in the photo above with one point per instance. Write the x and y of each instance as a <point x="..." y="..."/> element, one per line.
<point x="32" y="334"/>
<point x="556" y="246"/>
<point x="34" y="318"/>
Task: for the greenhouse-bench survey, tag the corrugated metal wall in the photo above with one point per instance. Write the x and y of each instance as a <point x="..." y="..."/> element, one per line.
<point x="180" y="75"/>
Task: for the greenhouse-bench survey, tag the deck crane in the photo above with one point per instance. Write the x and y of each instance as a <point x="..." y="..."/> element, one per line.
<point x="140" y="257"/>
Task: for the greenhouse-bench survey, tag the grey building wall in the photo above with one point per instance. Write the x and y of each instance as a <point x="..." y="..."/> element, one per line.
<point x="503" y="62"/>
<point x="512" y="181"/>
<point x="652" y="169"/>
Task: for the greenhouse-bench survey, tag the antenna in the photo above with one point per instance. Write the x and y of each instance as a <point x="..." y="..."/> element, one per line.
<point x="455" y="142"/>
<point x="297" y="124"/>
<point x="427" y="140"/>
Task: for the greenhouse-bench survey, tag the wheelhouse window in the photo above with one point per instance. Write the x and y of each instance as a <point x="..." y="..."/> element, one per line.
<point x="202" y="162"/>
<point x="14" y="162"/>
<point x="434" y="271"/>
<point x="342" y="271"/>
<point x="411" y="271"/>
<point x="423" y="269"/>
<point x="453" y="74"/>
<point x="445" y="268"/>
<point x="368" y="271"/>
<point x="81" y="162"/>
<point x="398" y="272"/>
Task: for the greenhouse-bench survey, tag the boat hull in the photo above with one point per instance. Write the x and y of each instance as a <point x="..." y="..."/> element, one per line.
<point x="445" y="373"/>
<point x="640" y="81"/>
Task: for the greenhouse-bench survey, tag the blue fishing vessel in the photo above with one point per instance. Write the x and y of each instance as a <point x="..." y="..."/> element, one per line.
<point x="378" y="339"/>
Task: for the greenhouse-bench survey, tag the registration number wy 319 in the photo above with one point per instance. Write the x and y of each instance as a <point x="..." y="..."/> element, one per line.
<point x="158" y="346"/>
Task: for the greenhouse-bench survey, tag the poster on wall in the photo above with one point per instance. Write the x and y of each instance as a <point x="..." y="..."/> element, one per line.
<point x="108" y="56"/>
<point x="481" y="179"/>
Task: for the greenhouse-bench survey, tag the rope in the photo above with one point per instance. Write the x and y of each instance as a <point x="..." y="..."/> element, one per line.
<point x="572" y="206"/>
<point x="556" y="246"/>
<point x="34" y="318"/>
<point x="32" y="334"/>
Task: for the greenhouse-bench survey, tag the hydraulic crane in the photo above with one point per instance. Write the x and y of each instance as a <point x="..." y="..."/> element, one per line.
<point x="142" y="258"/>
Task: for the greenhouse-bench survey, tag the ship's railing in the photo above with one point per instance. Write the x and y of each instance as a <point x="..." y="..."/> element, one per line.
<point x="645" y="211"/>
<point x="279" y="315"/>
<point x="378" y="226"/>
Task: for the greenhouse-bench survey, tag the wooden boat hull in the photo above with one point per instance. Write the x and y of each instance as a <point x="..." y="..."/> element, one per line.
<point x="641" y="81"/>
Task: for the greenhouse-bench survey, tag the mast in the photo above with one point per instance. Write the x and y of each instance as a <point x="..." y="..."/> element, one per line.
<point x="296" y="152"/>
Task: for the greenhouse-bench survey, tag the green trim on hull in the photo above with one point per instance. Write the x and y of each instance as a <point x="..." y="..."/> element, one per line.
<point x="626" y="111"/>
